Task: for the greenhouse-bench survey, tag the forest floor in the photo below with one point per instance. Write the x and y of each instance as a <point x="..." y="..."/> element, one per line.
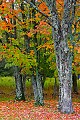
<point x="13" y="110"/>
<point x="26" y="110"/>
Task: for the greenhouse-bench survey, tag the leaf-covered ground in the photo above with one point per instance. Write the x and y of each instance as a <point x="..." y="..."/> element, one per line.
<point x="11" y="110"/>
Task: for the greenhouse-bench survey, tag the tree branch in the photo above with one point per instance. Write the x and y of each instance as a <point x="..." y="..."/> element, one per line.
<point x="73" y="12"/>
<point x="35" y="7"/>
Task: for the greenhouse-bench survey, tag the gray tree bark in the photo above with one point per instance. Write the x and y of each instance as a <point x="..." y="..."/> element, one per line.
<point x="37" y="89"/>
<point x="19" y="79"/>
<point x="63" y="54"/>
<point x="34" y="85"/>
<point x="19" y="84"/>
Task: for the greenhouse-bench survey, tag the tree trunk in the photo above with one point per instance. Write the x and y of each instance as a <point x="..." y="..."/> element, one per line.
<point x="55" y="89"/>
<point x="34" y="85"/>
<point x="19" y="84"/>
<point x="19" y="79"/>
<point x="43" y="78"/>
<point x="63" y="57"/>
<point x="24" y="83"/>
<point x="37" y="88"/>
<point x="74" y="78"/>
<point x="65" y="101"/>
<point x="37" y="83"/>
<point x="61" y="32"/>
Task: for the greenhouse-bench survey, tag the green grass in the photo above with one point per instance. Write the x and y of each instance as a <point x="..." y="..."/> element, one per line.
<point x="10" y="82"/>
<point x="49" y="82"/>
<point x="7" y="81"/>
<point x="7" y="87"/>
<point x="78" y="83"/>
<point x="28" y="83"/>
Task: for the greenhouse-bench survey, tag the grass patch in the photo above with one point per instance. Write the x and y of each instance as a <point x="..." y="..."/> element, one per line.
<point x="78" y="83"/>
<point x="7" y="88"/>
<point x="7" y="81"/>
<point x="10" y="82"/>
<point x="49" y="83"/>
<point x="28" y="83"/>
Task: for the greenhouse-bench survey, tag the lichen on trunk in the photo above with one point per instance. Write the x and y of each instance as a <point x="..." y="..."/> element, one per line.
<point x="65" y="100"/>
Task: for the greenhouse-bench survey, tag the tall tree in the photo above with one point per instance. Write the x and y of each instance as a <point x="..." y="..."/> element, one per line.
<point x="61" y="30"/>
<point x="19" y="78"/>
<point x="63" y="54"/>
<point x="36" y="78"/>
<point x="19" y="84"/>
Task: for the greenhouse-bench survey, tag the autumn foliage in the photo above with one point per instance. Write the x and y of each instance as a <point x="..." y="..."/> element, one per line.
<point x="36" y="52"/>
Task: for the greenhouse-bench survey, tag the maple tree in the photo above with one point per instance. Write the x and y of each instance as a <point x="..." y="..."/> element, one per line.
<point x="61" y="31"/>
